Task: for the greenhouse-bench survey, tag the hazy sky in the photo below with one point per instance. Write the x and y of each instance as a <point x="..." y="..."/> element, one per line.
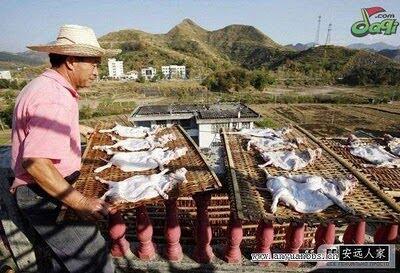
<point x="285" y="21"/>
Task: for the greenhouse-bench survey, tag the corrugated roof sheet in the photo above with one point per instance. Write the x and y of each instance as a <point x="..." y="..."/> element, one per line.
<point x="214" y="111"/>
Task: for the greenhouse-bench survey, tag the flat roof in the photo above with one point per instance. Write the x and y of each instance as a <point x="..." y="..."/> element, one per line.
<point x="201" y="111"/>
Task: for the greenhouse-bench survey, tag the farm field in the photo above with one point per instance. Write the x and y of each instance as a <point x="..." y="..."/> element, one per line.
<point x="337" y="120"/>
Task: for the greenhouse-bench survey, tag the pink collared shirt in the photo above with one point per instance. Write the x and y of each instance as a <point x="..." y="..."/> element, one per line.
<point x="46" y="125"/>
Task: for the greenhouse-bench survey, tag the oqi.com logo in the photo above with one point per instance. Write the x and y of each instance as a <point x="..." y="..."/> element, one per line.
<point x="387" y="26"/>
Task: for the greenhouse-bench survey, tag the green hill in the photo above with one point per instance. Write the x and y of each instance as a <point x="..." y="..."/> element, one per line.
<point x="23" y="58"/>
<point x="393" y="54"/>
<point x="202" y="51"/>
<point x="333" y="64"/>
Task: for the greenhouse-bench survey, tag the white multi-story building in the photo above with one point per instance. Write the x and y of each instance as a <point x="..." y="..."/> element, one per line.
<point x="5" y="75"/>
<point x="148" y="72"/>
<point x="201" y="122"/>
<point x="174" y="71"/>
<point x="115" y="68"/>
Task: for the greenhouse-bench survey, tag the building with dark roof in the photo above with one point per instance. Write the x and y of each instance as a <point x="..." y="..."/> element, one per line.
<point x="202" y="121"/>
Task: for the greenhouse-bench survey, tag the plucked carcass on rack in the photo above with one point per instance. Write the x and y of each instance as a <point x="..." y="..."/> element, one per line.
<point x="136" y="144"/>
<point x="290" y="160"/>
<point x="144" y="160"/>
<point x="142" y="187"/>
<point x="134" y="132"/>
<point x="264" y="132"/>
<point x="374" y="153"/>
<point x="272" y="144"/>
<point x="393" y="144"/>
<point x="309" y="193"/>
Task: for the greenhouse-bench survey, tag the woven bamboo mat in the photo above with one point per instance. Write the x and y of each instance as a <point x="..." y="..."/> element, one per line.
<point x="200" y="177"/>
<point x="252" y="204"/>
<point x="388" y="179"/>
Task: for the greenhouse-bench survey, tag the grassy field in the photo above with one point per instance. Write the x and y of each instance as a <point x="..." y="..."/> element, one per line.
<point x="320" y="119"/>
<point x="345" y="109"/>
<point x="187" y="91"/>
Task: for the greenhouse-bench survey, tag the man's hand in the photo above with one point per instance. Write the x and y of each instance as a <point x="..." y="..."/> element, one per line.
<point x="51" y="181"/>
<point x="85" y="130"/>
<point x="91" y="209"/>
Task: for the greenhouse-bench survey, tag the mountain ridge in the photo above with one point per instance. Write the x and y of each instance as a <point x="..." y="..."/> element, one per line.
<point x="205" y="51"/>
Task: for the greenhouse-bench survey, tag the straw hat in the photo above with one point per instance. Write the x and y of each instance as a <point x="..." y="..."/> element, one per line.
<point x="74" y="40"/>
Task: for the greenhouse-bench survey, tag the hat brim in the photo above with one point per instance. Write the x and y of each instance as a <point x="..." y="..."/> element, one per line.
<point x="77" y="50"/>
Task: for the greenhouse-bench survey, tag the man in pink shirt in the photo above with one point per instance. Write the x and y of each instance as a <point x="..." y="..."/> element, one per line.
<point x="46" y="153"/>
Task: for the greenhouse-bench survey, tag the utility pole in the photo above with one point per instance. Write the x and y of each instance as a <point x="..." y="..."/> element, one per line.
<point x="328" y="35"/>
<point x="316" y="42"/>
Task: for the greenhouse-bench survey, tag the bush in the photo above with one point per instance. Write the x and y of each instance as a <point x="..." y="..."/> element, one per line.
<point x="228" y="80"/>
<point x="12" y="84"/>
<point x="4" y="83"/>
<point x="266" y="123"/>
<point x="260" y="79"/>
<point x="141" y="79"/>
<point x="133" y="46"/>
<point x="373" y="75"/>
<point x="86" y="112"/>
<point x="6" y="113"/>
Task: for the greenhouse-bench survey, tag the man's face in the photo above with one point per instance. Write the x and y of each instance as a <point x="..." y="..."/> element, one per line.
<point x="85" y="70"/>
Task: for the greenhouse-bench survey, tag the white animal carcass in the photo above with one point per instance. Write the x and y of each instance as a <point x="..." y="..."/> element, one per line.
<point x="373" y="153"/>
<point x="136" y="144"/>
<point x="272" y="144"/>
<point x="290" y="160"/>
<point x="143" y="187"/>
<point x="308" y="193"/>
<point x="134" y="132"/>
<point x="144" y="160"/>
<point x="264" y="132"/>
<point x="393" y="144"/>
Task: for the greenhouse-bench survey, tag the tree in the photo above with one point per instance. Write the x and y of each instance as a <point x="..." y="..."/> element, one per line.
<point x="4" y="83"/>
<point x="260" y="79"/>
<point x="159" y="75"/>
<point x="141" y="79"/>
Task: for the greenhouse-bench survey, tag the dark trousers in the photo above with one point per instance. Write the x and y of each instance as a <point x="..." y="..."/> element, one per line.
<point x="78" y="246"/>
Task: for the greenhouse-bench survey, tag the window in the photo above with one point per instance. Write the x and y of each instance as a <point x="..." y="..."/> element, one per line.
<point x="144" y="123"/>
<point x="186" y="123"/>
<point x="246" y="125"/>
<point x="161" y="122"/>
<point x="216" y="127"/>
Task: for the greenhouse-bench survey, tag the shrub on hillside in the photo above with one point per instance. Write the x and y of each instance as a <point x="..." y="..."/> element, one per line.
<point x="375" y="75"/>
<point x="238" y="79"/>
<point x="12" y="84"/>
<point x="141" y="79"/>
<point x="86" y="112"/>
<point x="260" y="79"/>
<point x="132" y="46"/>
<point x="266" y="123"/>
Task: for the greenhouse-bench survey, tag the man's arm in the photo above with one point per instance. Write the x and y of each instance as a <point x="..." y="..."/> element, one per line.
<point x="51" y="181"/>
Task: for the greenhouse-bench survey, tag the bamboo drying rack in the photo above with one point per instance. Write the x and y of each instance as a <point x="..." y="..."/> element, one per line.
<point x="200" y="177"/>
<point x="249" y="203"/>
